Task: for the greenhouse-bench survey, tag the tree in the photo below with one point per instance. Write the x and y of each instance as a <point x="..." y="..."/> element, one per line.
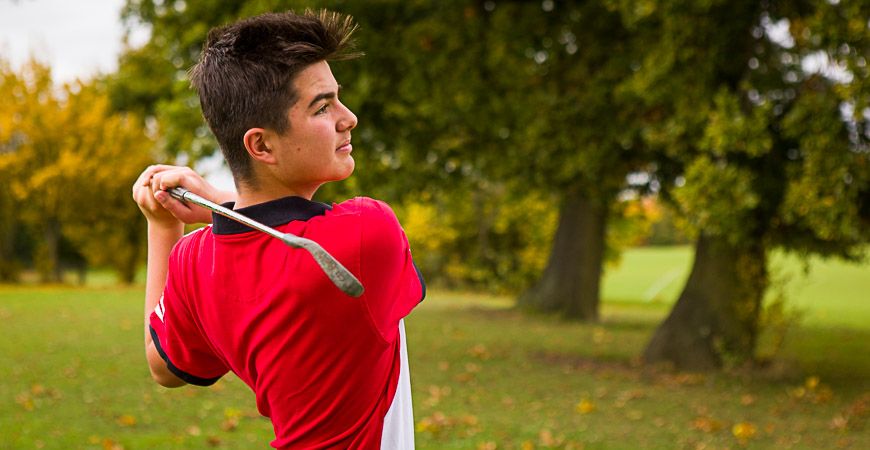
<point x="10" y="141"/>
<point x="36" y="185"/>
<point x="420" y="93"/>
<point x="573" y="132"/>
<point x="70" y="165"/>
<point x="104" y="224"/>
<point x="754" y="151"/>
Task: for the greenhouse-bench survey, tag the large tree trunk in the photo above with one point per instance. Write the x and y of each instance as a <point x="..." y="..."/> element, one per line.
<point x="715" y="320"/>
<point x="129" y="263"/>
<point x="8" y="263"/>
<point x="9" y="227"/>
<point x="49" y="257"/>
<point x="570" y="284"/>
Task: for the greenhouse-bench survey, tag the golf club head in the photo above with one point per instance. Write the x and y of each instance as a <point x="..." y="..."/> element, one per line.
<point x="333" y="269"/>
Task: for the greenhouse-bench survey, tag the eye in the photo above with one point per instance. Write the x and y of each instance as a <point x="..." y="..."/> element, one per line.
<point x="322" y="109"/>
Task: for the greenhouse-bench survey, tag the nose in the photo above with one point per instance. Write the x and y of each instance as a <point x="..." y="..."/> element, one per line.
<point x="347" y="121"/>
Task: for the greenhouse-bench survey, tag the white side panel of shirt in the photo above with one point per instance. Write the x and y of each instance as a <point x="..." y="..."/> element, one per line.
<point x="398" y="432"/>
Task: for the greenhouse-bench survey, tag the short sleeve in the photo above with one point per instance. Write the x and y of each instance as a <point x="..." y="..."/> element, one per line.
<point x="177" y="338"/>
<point x="393" y="284"/>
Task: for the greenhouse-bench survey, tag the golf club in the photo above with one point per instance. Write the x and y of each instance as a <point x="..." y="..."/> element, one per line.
<point x="340" y="276"/>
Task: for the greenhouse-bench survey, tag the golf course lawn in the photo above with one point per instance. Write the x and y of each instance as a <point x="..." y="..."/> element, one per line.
<point x="484" y="375"/>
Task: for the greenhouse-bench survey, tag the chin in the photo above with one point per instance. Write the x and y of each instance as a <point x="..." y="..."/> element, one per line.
<point x="346" y="171"/>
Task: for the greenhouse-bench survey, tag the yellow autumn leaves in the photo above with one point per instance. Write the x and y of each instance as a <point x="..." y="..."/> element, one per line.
<point x="67" y="161"/>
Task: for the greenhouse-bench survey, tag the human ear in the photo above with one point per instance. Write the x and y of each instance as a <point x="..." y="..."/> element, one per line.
<point x="257" y="144"/>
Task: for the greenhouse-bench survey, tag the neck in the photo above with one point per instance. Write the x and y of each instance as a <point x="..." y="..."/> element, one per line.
<point x="252" y="195"/>
<point x="249" y="197"/>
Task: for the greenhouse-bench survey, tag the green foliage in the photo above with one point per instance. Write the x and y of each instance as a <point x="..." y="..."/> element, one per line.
<point x="714" y="190"/>
<point x="760" y="148"/>
<point x="489" y="239"/>
<point x="470" y="108"/>
<point x="450" y="98"/>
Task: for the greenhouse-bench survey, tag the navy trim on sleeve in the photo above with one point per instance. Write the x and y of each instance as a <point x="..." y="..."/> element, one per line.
<point x="190" y="379"/>
<point x="422" y="282"/>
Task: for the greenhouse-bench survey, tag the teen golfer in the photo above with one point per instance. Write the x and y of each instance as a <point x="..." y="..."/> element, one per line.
<point x="328" y="369"/>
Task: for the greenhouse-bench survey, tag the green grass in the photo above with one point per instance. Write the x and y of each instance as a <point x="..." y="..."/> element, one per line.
<point x="484" y="375"/>
<point x="831" y="292"/>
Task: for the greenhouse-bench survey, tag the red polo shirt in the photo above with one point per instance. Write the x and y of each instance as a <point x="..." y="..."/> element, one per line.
<point x="324" y="366"/>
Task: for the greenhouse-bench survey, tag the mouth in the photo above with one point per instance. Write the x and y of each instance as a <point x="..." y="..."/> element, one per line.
<point x="345" y="147"/>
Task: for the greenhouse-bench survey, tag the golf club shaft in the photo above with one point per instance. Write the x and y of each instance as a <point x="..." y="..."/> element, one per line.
<point x="339" y="275"/>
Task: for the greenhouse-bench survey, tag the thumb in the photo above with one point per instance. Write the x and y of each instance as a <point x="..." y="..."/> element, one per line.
<point x="162" y="197"/>
<point x="176" y="207"/>
<point x="181" y="210"/>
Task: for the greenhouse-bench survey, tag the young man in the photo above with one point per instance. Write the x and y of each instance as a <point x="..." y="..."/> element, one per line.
<point x="328" y="369"/>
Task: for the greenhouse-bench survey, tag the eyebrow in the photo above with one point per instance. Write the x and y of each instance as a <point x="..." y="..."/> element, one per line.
<point x="324" y="95"/>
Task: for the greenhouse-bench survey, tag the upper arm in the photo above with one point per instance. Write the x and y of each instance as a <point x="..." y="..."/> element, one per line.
<point x="159" y="370"/>
<point x="179" y="350"/>
<point x="393" y="285"/>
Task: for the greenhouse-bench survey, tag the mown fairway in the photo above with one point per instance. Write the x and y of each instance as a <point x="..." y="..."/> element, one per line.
<point x="484" y="376"/>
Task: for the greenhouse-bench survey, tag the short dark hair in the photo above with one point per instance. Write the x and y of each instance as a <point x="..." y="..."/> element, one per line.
<point x="245" y="74"/>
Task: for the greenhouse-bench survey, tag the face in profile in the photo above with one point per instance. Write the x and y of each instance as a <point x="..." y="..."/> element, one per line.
<point x="316" y="148"/>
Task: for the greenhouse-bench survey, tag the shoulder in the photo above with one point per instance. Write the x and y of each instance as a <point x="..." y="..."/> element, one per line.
<point x="188" y="246"/>
<point x="371" y="212"/>
<point x="364" y="206"/>
<point x="377" y="219"/>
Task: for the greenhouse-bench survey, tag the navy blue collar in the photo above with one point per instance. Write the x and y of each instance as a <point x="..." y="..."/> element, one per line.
<point x="272" y="213"/>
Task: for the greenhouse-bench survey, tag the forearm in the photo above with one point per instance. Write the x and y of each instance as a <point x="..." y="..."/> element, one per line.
<point x="161" y="239"/>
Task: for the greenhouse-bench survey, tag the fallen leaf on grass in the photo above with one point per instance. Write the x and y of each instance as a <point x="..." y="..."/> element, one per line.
<point x="690" y="379"/>
<point x="844" y="443"/>
<point x="600" y="336"/>
<point x="109" y="444"/>
<point x="25" y="401"/>
<point x="839" y="423"/>
<point x="625" y="396"/>
<point x="634" y="414"/>
<point x="813" y="391"/>
<point x="743" y="431"/>
<point x="126" y="420"/>
<point x="585" y="406"/>
<point x="436" y="393"/>
<point x="479" y="351"/>
<point x="231" y="419"/>
<point x="707" y="424"/>
<point x="230" y="424"/>
<point x="437" y="423"/>
<point x="546" y="439"/>
<point x="487" y="446"/>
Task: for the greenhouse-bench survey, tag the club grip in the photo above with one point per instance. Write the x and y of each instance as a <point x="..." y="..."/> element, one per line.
<point x="177" y="193"/>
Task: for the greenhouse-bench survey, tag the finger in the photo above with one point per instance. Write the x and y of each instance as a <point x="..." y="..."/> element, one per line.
<point x="144" y="177"/>
<point x="185" y="212"/>
<point x="177" y="176"/>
